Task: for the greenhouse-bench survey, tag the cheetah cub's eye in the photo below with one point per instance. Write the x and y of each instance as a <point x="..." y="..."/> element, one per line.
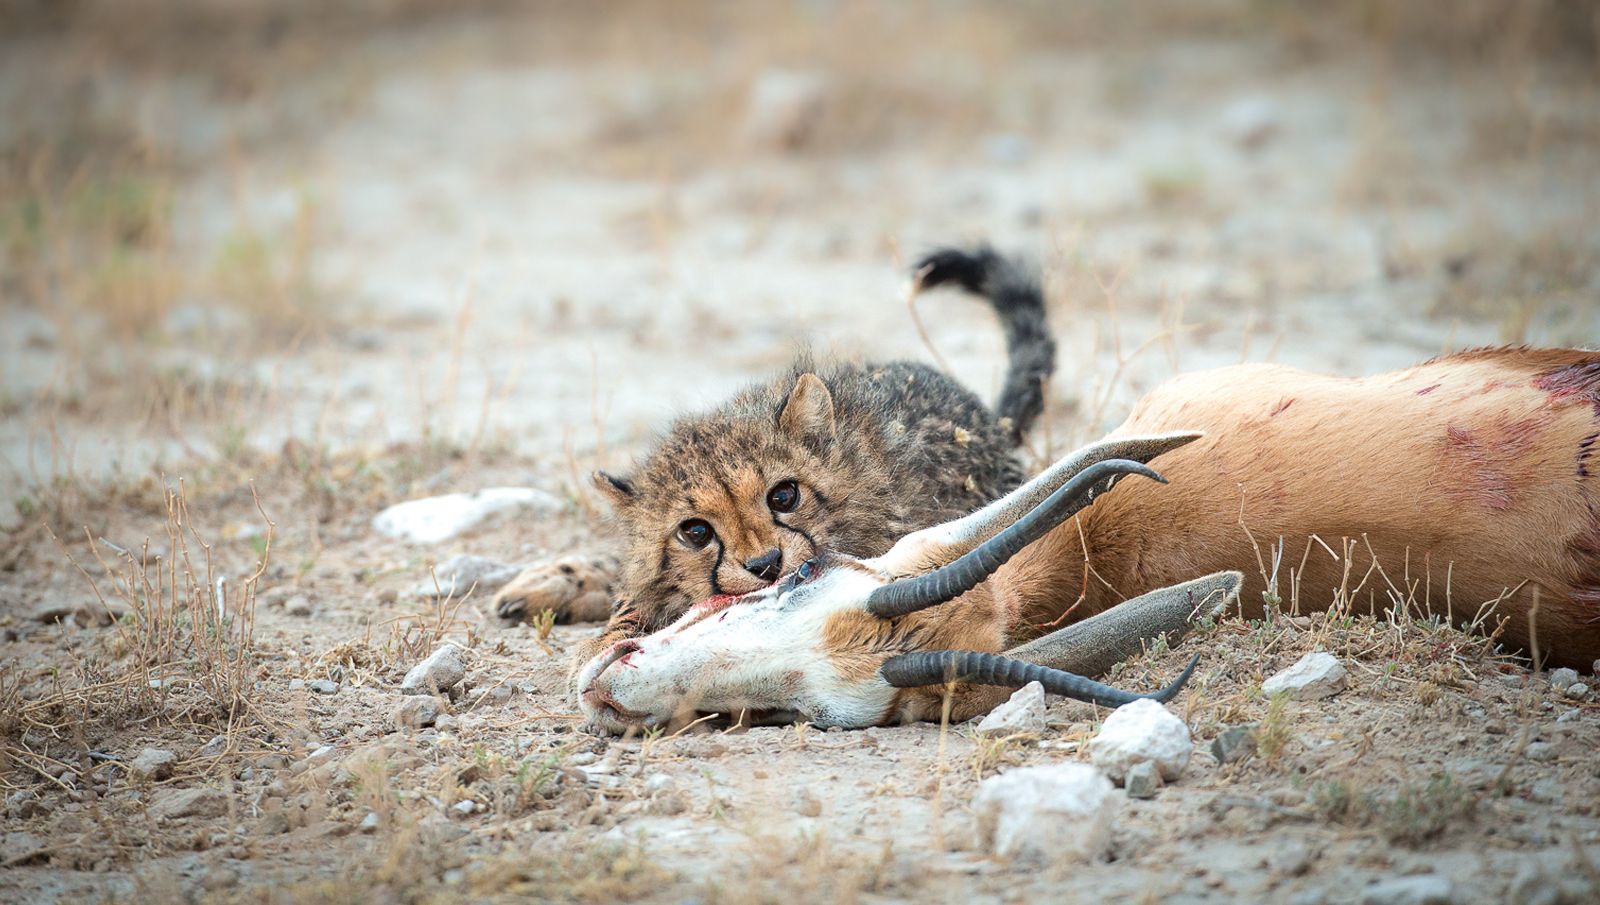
<point x="783" y="497"/>
<point x="695" y="533"/>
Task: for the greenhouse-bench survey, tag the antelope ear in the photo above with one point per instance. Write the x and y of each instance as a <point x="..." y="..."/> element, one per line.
<point x="809" y="409"/>
<point x="616" y="489"/>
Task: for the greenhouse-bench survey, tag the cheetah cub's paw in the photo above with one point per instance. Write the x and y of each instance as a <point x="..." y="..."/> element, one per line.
<point x="576" y="588"/>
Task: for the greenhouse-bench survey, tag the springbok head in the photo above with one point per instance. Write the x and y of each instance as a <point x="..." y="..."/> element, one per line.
<point x="843" y="641"/>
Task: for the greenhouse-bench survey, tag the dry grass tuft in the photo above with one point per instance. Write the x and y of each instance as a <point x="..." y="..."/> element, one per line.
<point x="181" y="649"/>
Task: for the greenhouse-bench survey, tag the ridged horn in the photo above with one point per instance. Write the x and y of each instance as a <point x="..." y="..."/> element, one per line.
<point x="939" y="666"/>
<point x="950" y="581"/>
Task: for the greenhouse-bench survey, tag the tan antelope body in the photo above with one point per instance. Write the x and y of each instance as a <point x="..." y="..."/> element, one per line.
<point x="1475" y="476"/>
<point x="1469" y="479"/>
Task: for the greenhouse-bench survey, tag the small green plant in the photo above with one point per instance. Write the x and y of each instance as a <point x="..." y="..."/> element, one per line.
<point x="1274" y="733"/>
<point x="1422" y="811"/>
<point x="1332" y="799"/>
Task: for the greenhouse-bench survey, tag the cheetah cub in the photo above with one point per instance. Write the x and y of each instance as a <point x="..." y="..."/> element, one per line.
<point x="844" y="456"/>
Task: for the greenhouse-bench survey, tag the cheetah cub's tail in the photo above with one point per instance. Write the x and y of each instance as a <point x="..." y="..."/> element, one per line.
<point x="1012" y="289"/>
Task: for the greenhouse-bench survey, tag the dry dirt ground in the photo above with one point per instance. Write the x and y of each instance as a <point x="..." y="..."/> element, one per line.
<point x="268" y="269"/>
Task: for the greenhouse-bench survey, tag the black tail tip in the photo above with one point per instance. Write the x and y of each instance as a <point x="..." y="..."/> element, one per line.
<point x="968" y="268"/>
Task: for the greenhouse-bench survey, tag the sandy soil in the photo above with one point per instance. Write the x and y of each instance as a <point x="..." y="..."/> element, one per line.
<point x="354" y="261"/>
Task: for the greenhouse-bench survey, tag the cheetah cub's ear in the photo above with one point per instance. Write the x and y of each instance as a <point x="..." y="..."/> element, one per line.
<point x="809" y="409"/>
<point x="617" y="490"/>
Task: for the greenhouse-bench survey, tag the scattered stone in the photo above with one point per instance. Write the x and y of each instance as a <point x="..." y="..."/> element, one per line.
<point x="219" y="878"/>
<point x="445" y="722"/>
<point x="1422" y="890"/>
<point x="368" y="824"/>
<point x="1047" y="814"/>
<point x="1250" y="122"/>
<point x="1143" y="779"/>
<point x="1316" y="675"/>
<point x="1563" y="678"/>
<point x="1543" y="882"/>
<point x="417" y="712"/>
<point x="217" y="747"/>
<point x="298" y="606"/>
<point x="322" y="756"/>
<point x="153" y="764"/>
<point x="1577" y="691"/>
<point x="84" y="614"/>
<point x="1007" y="148"/>
<point x="1144" y="730"/>
<point x="202" y="802"/>
<point x="297" y="684"/>
<point x="656" y="783"/>
<point x="1594" y="668"/>
<point x="440" y="672"/>
<point x="1235" y="743"/>
<point x="17" y="848"/>
<point x="323" y="686"/>
<point x="1023" y="714"/>
<point x="464" y="808"/>
<point x="806" y="804"/>
<point x="490" y="695"/>
<point x="1540" y="752"/>
<point x="1291" y="858"/>
<point x="25" y="803"/>
<point x="1568" y="715"/>
<point x="435" y="519"/>
<point x="462" y="573"/>
<point x="783" y="108"/>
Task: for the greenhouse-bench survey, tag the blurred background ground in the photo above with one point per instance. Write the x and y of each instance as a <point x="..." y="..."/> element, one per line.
<point x="360" y="251"/>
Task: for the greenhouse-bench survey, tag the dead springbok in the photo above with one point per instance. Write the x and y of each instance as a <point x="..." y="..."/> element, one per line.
<point x="1470" y="477"/>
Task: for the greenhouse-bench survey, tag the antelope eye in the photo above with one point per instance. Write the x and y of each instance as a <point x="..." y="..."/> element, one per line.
<point x="807" y="570"/>
<point x="783" y="497"/>
<point x="695" y="533"/>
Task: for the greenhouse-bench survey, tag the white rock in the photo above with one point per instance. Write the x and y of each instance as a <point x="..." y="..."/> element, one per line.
<point x="440" y="672"/>
<point x="417" y="712"/>
<point x="1022" y="715"/>
<point x="783" y="108"/>
<point x="1563" y="678"/>
<point x="1053" y="814"/>
<point x="189" y="803"/>
<point x="1251" y="121"/>
<point x="153" y="763"/>
<point x="434" y="519"/>
<point x="217" y="747"/>
<point x="1316" y="675"/>
<point x="1577" y="690"/>
<point x="462" y="573"/>
<point x="1140" y="732"/>
<point x="369" y="823"/>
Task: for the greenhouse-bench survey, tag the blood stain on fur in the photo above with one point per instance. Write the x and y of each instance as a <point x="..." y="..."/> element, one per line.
<point x="1578" y="382"/>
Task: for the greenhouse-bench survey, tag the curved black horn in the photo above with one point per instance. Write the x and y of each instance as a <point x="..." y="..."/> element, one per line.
<point x="938" y="666"/>
<point x="960" y="576"/>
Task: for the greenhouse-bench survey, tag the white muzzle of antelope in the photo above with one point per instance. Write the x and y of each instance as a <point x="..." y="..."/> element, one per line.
<point x="824" y="644"/>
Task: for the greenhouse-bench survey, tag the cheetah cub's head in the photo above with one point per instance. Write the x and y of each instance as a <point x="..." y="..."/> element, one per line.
<point x="728" y="502"/>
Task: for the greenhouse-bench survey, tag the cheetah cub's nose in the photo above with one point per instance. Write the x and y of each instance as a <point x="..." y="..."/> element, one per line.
<point x="767" y="566"/>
